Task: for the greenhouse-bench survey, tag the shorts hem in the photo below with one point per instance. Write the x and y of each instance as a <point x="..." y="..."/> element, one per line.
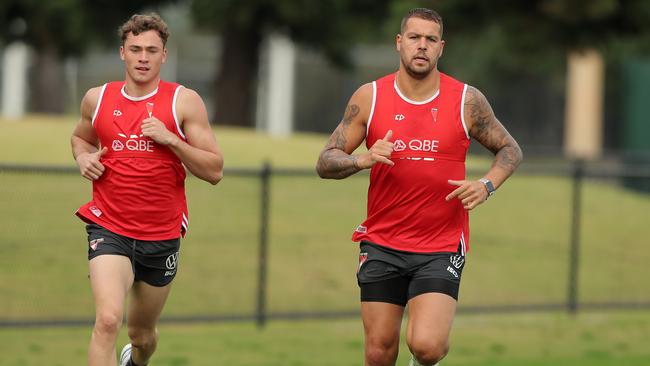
<point x="384" y="300"/>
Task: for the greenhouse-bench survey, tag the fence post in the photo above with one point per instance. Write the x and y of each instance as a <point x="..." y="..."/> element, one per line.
<point x="574" y="254"/>
<point x="265" y="181"/>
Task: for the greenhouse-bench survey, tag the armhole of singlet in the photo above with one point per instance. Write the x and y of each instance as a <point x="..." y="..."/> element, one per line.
<point x="99" y="102"/>
<point x="372" y="106"/>
<point x="178" y="124"/>
<point x="462" y="111"/>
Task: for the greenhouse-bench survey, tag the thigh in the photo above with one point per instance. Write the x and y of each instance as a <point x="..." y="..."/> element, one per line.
<point x="111" y="276"/>
<point x="145" y="304"/>
<point x="381" y="322"/>
<point x="430" y="317"/>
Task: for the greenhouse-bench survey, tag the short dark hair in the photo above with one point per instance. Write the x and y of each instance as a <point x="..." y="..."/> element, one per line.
<point x="139" y="23"/>
<point x="422" y="13"/>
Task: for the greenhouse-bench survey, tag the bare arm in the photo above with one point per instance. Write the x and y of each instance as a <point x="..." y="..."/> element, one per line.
<point x="486" y="129"/>
<point x="336" y="160"/>
<point x="84" y="141"/>
<point x="200" y="154"/>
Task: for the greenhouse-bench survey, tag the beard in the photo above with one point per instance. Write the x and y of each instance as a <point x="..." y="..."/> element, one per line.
<point x="420" y="72"/>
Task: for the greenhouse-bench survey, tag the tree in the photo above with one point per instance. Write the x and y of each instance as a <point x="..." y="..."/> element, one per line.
<point x="60" y="29"/>
<point x="327" y="25"/>
<point x="531" y="36"/>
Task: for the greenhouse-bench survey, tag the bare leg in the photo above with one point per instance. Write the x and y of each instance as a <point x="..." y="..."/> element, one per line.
<point x="381" y="323"/>
<point x="111" y="277"/>
<point x="429" y="325"/>
<point x="145" y="306"/>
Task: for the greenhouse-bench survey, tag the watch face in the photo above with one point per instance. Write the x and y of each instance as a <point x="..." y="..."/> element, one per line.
<point x="488" y="185"/>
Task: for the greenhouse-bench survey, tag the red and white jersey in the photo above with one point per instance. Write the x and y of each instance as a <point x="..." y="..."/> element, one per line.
<point x="407" y="209"/>
<point x="141" y="194"/>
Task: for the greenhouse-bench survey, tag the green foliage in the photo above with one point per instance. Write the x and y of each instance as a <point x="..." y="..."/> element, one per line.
<point x="331" y="26"/>
<point x="492" y="41"/>
<point x="69" y="26"/>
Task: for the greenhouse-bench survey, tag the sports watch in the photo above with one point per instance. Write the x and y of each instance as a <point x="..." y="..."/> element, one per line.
<point x="488" y="185"/>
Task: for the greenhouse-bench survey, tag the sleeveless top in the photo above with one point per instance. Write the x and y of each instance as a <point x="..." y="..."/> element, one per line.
<point x="141" y="193"/>
<point x="407" y="209"/>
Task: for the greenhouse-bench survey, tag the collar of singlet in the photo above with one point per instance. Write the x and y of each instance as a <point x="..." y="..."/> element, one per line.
<point x="399" y="92"/>
<point x="137" y="99"/>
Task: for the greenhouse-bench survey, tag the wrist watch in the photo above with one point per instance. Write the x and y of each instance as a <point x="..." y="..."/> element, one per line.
<point x="488" y="185"/>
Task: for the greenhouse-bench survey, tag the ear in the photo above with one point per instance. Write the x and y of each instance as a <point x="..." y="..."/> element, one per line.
<point x="442" y="47"/>
<point x="164" y="58"/>
<point x="398" y="42"/>
<point x="122" y="52"/>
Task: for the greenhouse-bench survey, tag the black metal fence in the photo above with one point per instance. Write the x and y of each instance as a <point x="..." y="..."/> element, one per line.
<point x="577" y="172"/>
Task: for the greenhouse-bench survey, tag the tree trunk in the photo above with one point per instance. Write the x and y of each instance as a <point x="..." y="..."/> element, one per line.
<point x="236" y="83"/>
<point x="48" y="88"/>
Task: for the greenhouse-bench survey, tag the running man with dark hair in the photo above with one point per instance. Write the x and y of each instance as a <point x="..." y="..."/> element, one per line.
<point x="417" y="124"/>
<point x="134" y="140"/>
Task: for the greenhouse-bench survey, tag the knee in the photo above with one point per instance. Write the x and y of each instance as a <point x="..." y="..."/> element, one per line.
<point x="143" y="337"/>
<point x="108" y="323"/>
<point x="429" y="353"/>
<point x="381" y="352"/>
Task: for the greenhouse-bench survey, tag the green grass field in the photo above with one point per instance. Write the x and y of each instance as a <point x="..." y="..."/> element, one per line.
<point x="519" y="256"/>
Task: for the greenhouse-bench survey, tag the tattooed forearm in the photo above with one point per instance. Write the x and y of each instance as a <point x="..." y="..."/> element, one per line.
<point x="336" y="164"/>
<point x="508" y="158"/>
<point x="487" y="130"/>
<point x="334" y="161"/>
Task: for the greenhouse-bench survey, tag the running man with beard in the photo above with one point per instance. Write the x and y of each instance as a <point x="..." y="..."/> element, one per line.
<point x="417" y="124"/>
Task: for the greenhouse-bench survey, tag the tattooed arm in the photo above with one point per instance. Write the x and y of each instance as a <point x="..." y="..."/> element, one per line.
<point x="336" y="160"/>
<point x="486" y="129"/>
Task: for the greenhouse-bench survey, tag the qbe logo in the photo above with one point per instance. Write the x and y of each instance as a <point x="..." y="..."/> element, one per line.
<point x="118" y="145"/>
<point x="399" y="145"/>
<point x="417" y="145"/>
<point x="134" y="145"/>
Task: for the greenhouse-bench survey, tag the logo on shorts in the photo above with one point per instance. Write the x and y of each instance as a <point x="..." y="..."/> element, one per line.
<point x="172" y="261"/>
<point x="95" y="242"/>
<point x="452" y="271"/>
<point x="457" y="260"/>
<point x="362" y="259"/>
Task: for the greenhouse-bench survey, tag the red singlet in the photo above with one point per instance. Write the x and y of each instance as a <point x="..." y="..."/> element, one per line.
<point x="141" y="194"/>
<point x="406" y="202"/>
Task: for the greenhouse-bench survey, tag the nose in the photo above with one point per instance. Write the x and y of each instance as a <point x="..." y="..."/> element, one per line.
<point x="143" y="57"/>
<point x="422" y="43"/>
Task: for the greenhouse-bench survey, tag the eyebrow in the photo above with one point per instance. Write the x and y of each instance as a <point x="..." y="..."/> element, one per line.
<point x="434" y="36"/>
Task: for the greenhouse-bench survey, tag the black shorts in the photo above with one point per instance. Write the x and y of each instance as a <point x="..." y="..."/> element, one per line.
<point x="394" y="276"/>
<point x="154" y="262"/>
